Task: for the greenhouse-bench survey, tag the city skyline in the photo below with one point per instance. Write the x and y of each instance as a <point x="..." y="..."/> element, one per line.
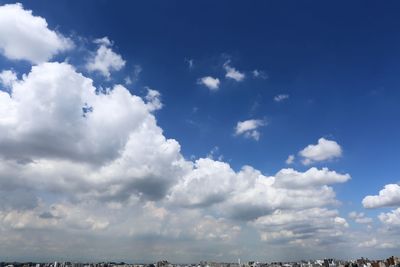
<point x="194" y="131"/>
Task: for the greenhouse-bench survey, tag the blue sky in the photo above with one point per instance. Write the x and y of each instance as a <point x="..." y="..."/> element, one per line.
<point x="325" y="70"/>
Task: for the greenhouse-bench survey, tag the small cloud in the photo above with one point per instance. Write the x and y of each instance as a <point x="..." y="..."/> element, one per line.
<point x="249" y="128"/>
<point x="290" y="159"/>
<point x="105" y="59"/>
<point x="103" y="41"/>
<point x="259" y="74"/>
<point x="210" y="82"/>
<point x="281" y="97"/>
<point x="324" y="150"/>
<point x="341" y="222"/>
<point x="153" y="99"/>
<point x="232" y="73"/>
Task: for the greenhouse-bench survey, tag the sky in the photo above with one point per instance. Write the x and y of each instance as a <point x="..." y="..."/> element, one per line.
<point x="188" y="131"/>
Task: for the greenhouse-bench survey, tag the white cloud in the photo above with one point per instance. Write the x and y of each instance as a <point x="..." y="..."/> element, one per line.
<point x="290" y="159"/>
<point x="153" y="99"/>
<point x="103" y="41"/>
<point x="324" y="150"/>
<point x="105" y="59"/>
<point x="210" y="82"/>
<point x="24" y="36"/>
<point x="389" y="196"/>
<point x="7" y="78"/>
<point x="199" y="187"/>
<point x="43" y="123"/>
<point x="290" y="178"/>
<point x="248" y="194"/>
<point x="249" y="128"/>
<point x="232" y="73"/>
<point x="360" y="217"/>
<point x="341" y="221"/>
<point x="391" y="218"/>
<point x="281" y="97"/>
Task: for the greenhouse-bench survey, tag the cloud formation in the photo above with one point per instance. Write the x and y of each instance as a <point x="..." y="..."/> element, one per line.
<point x="322" y="151"/>
<point x="24" y="36"/>
<point x="249" y="128"/>
<point x="389" y="196"/>
<point x="210" y="82"/>
<point x="391" y="218"/>
<point x="232" y="73"/>
<point x="105" y="60"/>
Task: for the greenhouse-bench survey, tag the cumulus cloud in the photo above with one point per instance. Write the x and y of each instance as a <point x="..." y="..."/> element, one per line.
<point x="248" y="194"/>
<point x="389" y="196"/>
<point x="54" y="121"/>
<point x="313" y="177"/>
<point x="232" y="73"/>
<point x="249" y="128"/>
<point x="391" y="218"/>
<point x="210" y="82"/>
<point x="7" y="78"/>
<point x="324" y="150"/>
<point x="200" y="188"/>
<point x="24" y="36"/>
<point x="281" y="97"/>
<point x="105" y="60"/>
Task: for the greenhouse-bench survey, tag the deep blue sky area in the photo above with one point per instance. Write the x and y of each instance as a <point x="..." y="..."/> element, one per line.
<point x="337" y="61"/>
